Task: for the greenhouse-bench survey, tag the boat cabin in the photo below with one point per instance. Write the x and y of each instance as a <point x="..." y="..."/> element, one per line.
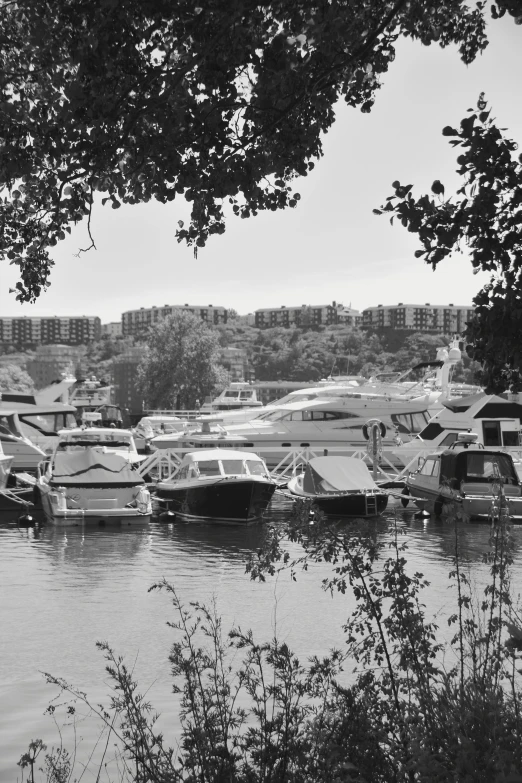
<point x="473" y="465"/>
<point x="234" y="397"/>
<point x="220" y="462"/>
<point x="496" y="421"/>
<point x="104" y="439"/>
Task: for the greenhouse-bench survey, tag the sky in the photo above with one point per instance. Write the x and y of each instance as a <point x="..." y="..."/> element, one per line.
<point x="331" y="247"/>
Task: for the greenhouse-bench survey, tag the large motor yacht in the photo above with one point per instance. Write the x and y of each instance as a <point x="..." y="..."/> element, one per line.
<point x="497" y="422"/>
<point x="319" y="424"/>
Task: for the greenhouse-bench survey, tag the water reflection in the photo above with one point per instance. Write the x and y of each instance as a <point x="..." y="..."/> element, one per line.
<point x="64" y="588"/>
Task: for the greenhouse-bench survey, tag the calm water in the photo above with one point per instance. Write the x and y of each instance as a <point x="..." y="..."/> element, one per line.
<point x="61" y="590"/>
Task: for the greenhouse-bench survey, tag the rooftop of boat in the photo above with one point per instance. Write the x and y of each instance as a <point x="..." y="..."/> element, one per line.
<point x="208" y="455"/>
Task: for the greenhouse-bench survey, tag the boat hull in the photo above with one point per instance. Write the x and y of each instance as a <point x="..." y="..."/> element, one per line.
<point x="344" y="504"/>
<point x="76" y="506"/>
<point x="228" y="501"/>
<point x="24" y="456"/>
<point x="353" y="505"/>
<point x="445" y="503"/>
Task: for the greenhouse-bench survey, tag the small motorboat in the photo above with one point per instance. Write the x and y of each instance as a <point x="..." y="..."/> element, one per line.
<point x="466" y="480"/>
<point x="90" y="485"/>
<point x="218" y="485"/>
<point x="340" y="486"/>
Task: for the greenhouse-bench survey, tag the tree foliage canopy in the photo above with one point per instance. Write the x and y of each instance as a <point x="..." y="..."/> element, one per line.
<point x="15" y="379"/>
<point x="486" y="217"/>
<point x="180" y="366"/>
<point x="142" y="99"/>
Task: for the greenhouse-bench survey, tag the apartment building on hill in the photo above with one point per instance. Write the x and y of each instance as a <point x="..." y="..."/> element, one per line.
<point x="306" y="315"/>
<point x="442" y="319"/>
<point x="28" y="331"/>
<point x="138" y="322"/>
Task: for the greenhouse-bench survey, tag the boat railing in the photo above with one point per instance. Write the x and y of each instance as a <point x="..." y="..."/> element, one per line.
<point x="163" y="464"/>
<point x="180" y="414"/>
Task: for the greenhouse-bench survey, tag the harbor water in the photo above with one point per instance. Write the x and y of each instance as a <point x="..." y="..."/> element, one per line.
<point x="63" y="589"/>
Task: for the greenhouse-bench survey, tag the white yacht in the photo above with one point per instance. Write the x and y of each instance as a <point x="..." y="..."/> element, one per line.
<point x="238" y="396"/>
<point x="496" y="420"/>
<point x="83" y="481"/>
<point x="25" y="454"/>
<point x="317" y="424"/>
<point x="39" y="422"/>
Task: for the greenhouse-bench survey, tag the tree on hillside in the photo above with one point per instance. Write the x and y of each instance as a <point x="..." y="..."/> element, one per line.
<point x="180" y="366"/>
<point x="221" y="101"/>
<point x="14" y="379"/>
<point x="485" y="216"/>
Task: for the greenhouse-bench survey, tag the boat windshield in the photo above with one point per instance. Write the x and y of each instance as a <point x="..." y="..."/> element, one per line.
<point x="256" y="468"/>
<point x="8" y="428"/>
<point x="410" y="422"/>
<point x="272" y="415"/>
<point x="208" y="468"/>
<point x="233" y="467"/>
<point x="90" y="439"/>
<point x="48" y="423"/>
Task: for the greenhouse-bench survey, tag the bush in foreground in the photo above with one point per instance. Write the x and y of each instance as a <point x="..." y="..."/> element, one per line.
<point x="416" y="709"/>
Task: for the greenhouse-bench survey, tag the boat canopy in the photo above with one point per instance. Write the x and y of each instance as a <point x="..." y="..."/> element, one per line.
<point x="93" y="468"/>
<point x="207" y="455"/>
<point x="493" y="406"/>
<point x="477" y="465"/>
<point x="461" y="404"/>
<point x="336" y="474"/>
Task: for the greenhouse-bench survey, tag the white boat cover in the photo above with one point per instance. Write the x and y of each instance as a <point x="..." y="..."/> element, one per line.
<point x="91" y="467"/>
<point x="337" y="474"/>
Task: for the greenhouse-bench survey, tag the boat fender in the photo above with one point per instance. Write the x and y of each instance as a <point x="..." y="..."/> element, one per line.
<point x="143" y="501"/>
<point x="366" y="429"/>
<point x="58" y="500"/>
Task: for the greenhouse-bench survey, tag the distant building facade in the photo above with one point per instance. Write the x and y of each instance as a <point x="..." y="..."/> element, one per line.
<point x="137" y="323"/>
<point x="51" y="362"/>
<point x="114" y="329"/>
<point x="125" y="374"/>
<point x="29" y="331"/>
<point x="443" y="319"/>
<point x="235" y="361"/>
<point x="306" y="315"/>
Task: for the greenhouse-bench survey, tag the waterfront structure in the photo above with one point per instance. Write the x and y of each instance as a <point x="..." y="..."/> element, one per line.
<point x="125" y="373"/>
<point x="28" y="331"/>
<point x="137" y="323"/>
<point x="51" y="362"/>
<point x="442" y="319"/>
<point x="112" y="330"/>
<point x="306" y="315"/>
